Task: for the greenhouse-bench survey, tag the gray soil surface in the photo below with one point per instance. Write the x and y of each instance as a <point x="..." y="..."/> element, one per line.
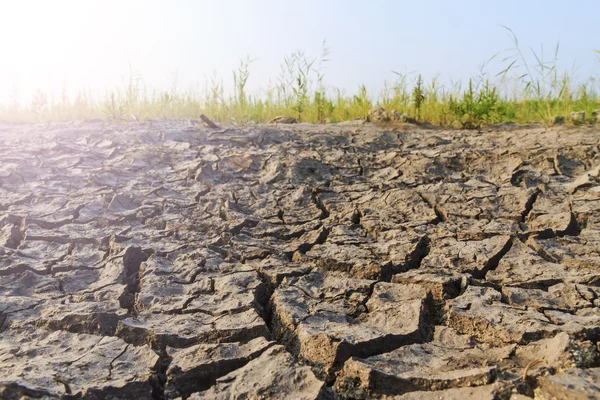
<point x="166" y="260"/>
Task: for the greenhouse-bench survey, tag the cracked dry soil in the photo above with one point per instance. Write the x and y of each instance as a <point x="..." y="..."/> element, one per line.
<point x="163" y="260"/>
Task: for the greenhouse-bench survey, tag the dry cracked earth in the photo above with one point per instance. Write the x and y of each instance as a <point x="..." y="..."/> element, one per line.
<point x="166" y="260"/>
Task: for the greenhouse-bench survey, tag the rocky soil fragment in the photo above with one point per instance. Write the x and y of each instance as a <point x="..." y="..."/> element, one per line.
<point x="449" y="361"/>
<point x="486" y="392"/>
<point x="325" y="318"/>
<point x="571" y="384"/>
<point x="467" y="256"/>
<point x="179" y="330"/>
<point x="273" y="375"/>
<point x="523" y="267"/>
<point x="57" y="364"/>
<point x="198" y="367"/>
<point x="479" y="312"/>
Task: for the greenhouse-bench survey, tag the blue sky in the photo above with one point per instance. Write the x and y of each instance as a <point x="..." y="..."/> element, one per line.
<point x="49" y="44"/>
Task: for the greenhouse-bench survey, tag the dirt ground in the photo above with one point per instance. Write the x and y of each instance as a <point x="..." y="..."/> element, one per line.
<point x="168" y="260"/>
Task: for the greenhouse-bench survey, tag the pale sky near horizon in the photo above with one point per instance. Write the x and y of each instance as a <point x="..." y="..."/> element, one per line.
<point x="85" y="43"/>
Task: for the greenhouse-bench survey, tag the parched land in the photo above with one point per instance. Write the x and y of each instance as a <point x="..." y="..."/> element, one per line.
<point x="167" y="260"/>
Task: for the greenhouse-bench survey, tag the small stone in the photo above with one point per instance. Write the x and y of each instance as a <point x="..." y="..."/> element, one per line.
<point x="556" y="120"/>
<point x="578" y="117"/>
<point x="283" y="119"/>
<point x="403" y="118"/>
<point x="379" y="115"/>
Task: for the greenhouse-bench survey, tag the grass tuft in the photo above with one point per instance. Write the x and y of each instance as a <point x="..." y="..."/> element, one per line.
<point x="529" y="88"/>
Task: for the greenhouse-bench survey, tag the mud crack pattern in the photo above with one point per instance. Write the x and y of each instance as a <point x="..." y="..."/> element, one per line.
<point x="162" y="260"/>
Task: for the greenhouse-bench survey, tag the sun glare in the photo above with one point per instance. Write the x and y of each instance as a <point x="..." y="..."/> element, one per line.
<point x="62" y="45"/>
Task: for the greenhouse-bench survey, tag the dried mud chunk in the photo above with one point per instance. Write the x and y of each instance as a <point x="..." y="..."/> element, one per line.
<point x="237" y="163"/>
<point x="476" y="200"/>
<point x="472" y="257"/>
<point x="60" y="363"/>
<point x="343" y="251"/>
<point x="560" y="352"/>
<point x="558" y="297"/>
<point x="81" y="255"/>
<point x="551" y="215"/>
<point x="379" y="115"/>
<point x="486" y="392"/>
<point x="273" y="375"/>
<point x="419" y="168"/>
<point x="346" y="258"/>
<point x="161" y="291"/>
<point x="275" y="269"/>
<point x="10" y="236"/>
<point x="231" y="294"/>
<point x="586" y="207"/>
<point x="573" y="384"/>
<point x="393" y="209"/>
<point x="245" y="247"/>
<point x="449" y="361"/>
<point x="28" y="283"/>
<point x="583" y="324"/>
<point x="404" y="250"/>
<point x="577" y="252"/>
<point x="327" y="319"/>
<point x="92" y="312"/>
<point x="524" y="267"/>
<point x="296" y="207"/>
<point x="15" y="310"/>
<point x="342" y="201"/>
<point x="178" y="331"/>
<point x="481" y="229"/>
<point x="503" y="169"/>
<point x="183" y="265"/>
<point x="307" y="241"/>
<point x="198" y="367"/>
<point x="271" y="172"/>
<point x="347" y="235"/>
<point x="479" y="312"/>
<point x="521" y="266"/>
<point x="214" y="289"/>
<point x="35" y="255"/>
<point x="10" y="304"/>
<point x="84" y="317"/>
<point x="308" y="170"/>
<point x="443" y="283"/>
<point x="588" y="178"/>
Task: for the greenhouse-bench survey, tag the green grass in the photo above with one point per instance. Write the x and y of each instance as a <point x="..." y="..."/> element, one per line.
<point x="528" y="89"/>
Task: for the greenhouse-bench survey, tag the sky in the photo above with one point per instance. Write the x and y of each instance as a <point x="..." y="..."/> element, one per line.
<point x="51" y="45"/>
